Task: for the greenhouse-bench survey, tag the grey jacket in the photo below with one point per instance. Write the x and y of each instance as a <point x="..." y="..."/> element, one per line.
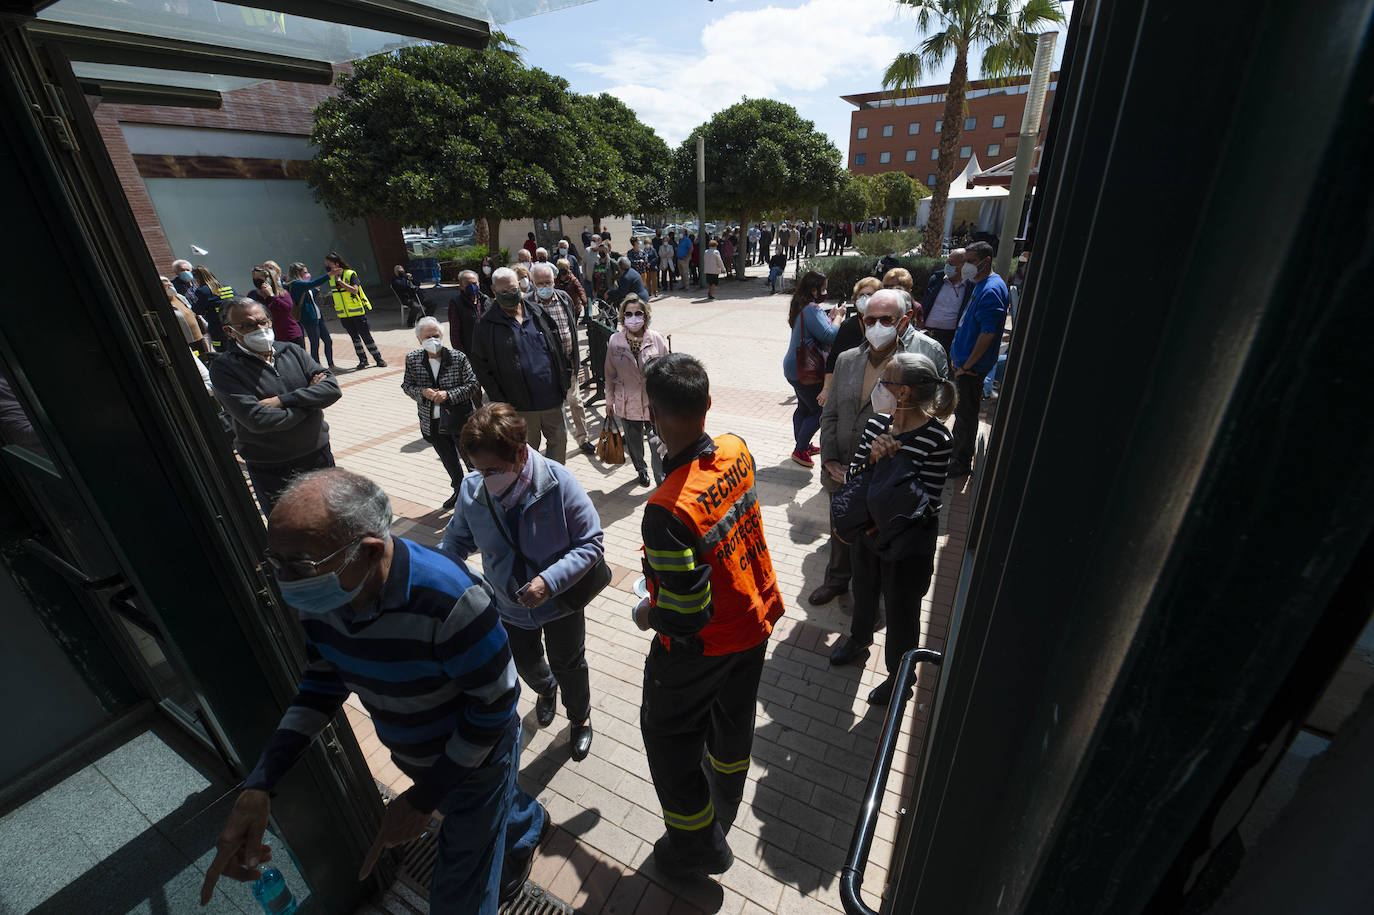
<point x="847" y="406"/>
<point x="274" y="435"/>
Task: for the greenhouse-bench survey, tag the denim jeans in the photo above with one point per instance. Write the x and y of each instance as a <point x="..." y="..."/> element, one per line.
<point x="491" y="827"/>
<point x="806" y="418"/>
<point x="318" y="332"/>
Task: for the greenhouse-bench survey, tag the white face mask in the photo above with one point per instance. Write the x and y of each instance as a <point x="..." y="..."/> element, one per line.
<point x="968" y="271"/>
<point x="883" y="400"/>
<point x="861" y="303"/>
<point x="260" y="340"/>
<point x="486" y="270"/>
<point x="635" y="324"/>
<point x="432" y="345"/>
<point x="880" y="335"/>
<point x="524" y="285"/>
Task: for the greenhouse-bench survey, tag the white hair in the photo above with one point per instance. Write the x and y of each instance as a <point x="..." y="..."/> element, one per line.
<point x="624" y="263"/>
<point x="502" y="273"/>
<point x="542" y="267"/>
<point x="426" y="323"/>
<point x="178" y="262"/>
<point x="888" y="297"/>
<point x="541" y="250"/>
<point x="522" y="255"/>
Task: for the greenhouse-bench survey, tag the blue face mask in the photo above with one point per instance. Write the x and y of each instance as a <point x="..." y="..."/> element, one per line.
<point x="185" y="275"/>
<point x="951" y="270"/>
<point x="544" y="292"/>
<point x="471" y="290"/>
<point x="319" y="593"/>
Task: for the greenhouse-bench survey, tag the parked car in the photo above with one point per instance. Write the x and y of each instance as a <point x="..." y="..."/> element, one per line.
<point x="642" y="231"/>
<point x="459" y="233"/>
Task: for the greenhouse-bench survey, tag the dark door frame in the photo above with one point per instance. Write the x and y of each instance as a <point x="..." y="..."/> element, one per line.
<point x="131" y="424"/>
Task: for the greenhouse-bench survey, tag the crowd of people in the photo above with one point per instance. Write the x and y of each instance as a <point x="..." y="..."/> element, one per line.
<point x="437" y="651"/>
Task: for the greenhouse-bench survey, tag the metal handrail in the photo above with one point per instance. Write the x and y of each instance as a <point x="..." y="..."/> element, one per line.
<point x="856" y="862"/>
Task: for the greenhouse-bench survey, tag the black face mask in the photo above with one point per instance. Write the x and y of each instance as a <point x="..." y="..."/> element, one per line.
<point x="508" y="300"/>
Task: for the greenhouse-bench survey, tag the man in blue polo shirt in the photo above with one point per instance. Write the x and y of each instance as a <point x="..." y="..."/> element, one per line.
<point x="684" y="258"/>
<point x="416" y="636"/>
<point x="974" y="350"/>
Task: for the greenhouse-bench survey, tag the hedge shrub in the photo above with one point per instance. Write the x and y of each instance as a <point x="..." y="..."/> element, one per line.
<point x="876" y="244"/>
<point x="841" y="273"/>
<point x="453" y="261"/>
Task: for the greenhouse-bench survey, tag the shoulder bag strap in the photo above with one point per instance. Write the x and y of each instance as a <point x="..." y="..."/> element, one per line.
<point x="501" y="529"/>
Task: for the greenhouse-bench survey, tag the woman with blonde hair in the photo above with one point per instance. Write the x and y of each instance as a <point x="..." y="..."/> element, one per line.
<point x="900" y="278"/>
<point x="210" y="296"/>
<point x="905" y="450"/>
<point x="629" y="351"/>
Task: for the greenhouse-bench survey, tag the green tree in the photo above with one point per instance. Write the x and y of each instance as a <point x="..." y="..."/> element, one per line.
<point x="628" y="161"/>
<point x="900" y="194"/>
<point x="851" y="203"/>
<point x="429" y="132"/>
<point x="1006" y="30"/>
<point x="760" y="155"/>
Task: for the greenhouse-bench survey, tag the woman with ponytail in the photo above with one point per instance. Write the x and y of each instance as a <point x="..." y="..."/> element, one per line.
<point x="904" y="451"/>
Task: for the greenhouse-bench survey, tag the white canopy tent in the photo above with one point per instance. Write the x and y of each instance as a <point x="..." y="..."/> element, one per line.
<point x="991" y="201"/>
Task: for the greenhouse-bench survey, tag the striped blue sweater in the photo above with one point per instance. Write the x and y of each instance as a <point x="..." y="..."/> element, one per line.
<point x="429" y="661"/>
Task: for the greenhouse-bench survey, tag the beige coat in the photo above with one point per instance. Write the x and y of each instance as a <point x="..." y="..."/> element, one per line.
<point x="625" y="393"/>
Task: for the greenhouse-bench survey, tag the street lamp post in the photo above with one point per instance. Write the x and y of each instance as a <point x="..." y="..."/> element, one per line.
<point x="1025" y="148"/>
<point x="701" y="198"/>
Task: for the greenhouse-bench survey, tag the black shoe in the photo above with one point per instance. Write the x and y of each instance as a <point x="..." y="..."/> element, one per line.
<point x="450" y="502"/>
<point x="849" y="652"/>
<point x="545" y="707"/>
<point x="674" y="865"/>
<point x="644" y="478"/>
<point x="581" y="739"/>
<point x="588" y="449"/>
<point x="882" y="693"/>
<point x="360" y="366"/>
<point x="956" y="472"/>
<point x="824" y="595"/>
<point x="511" y="889"/>
<point x="381" y="364"/>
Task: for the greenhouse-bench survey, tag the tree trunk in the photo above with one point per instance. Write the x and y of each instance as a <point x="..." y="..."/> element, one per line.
<point x="596" y="225"/>
<point x="950" y="132"/>
<point x="494" y="235"/>
<point x="479" y="234"/>
<point x="742" y="248"/>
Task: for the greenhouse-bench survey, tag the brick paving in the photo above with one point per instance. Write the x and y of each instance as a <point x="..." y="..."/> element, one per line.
<point x="815" y="734"/>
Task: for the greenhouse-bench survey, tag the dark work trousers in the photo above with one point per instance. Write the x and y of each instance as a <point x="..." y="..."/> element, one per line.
<point x="361" y="335"/>
<point x="965" y="432"/>
<point x="901" y="583"/>
<point x="270" y="480"/>
<point x="566" y="667"/>
<point x="636" y="434"/>
<point x="698" y="724"/>
<point x="943" y="337"/>
<point x="806" y="418"/>
<point x="447" y="447"/>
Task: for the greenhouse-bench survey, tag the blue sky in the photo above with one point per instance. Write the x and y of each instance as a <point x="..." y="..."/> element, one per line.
<point x="677" y="63"/>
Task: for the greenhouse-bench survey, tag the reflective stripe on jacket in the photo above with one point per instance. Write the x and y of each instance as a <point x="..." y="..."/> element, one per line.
<point x="349" y="304"/>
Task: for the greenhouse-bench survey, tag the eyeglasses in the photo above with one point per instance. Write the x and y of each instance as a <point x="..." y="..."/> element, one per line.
<point x="305" y="568"/>
<point x="884" y="320"/>
<point x="634" y="314"/>
<point x="249" y="328"/>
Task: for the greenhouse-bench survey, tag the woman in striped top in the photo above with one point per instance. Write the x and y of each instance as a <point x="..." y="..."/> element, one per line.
<point x="910" y="401"/>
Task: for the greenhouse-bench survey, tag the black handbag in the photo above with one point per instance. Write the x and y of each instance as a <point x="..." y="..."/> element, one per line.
<point x="577" y="595"/>
<point x="452" y="416"/>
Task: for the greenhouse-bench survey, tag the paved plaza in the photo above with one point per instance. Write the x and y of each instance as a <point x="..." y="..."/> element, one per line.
<point x="816" y="735"/>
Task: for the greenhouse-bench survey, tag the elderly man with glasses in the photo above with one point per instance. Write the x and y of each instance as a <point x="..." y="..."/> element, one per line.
<point x="275" y="394"/>
<point x="416" y="636"/>
<point x="886" y="321"/>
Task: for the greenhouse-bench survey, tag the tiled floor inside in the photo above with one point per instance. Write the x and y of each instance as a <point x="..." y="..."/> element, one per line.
<point x="816" y="734"/>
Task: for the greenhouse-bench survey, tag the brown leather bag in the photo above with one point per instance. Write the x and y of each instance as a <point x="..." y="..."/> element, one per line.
<point x="610" y="448"/>
<point x="810" y="359"/>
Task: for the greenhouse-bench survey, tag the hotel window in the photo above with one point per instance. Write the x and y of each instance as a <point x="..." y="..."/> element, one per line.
<point x="965" y="152"/>
<point x="885" y="157"/>
<point x="935" y="154"/>
<point x="911" y="155"/>
<point x="887" y="130"/>
<point x="930" y="180"/>
<point x="994" y="149"/>
<point x="939" y="125"/>
<point x="863" y="133"/>
<point x="970" y="123"/>
<point x="913" y="128"/>
<point x="860" y="158"/>
<point x="999" y="120"/>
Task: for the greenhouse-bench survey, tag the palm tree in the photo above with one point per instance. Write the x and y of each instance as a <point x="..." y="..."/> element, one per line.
<point x="1005" y="29"/>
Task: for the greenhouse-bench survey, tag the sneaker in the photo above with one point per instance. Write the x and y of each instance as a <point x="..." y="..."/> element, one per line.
<point x="802" y="458"/>
<point x="814" y="450"/>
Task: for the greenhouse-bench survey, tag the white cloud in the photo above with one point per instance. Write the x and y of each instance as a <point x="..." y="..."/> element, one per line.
<point x="823" y="48"/>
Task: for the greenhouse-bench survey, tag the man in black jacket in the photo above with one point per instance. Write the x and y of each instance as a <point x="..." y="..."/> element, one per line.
<point x="518" y="355"/>
<point x="463" y="311"/>
<point x="408" y="291"/>
<point x="276" y="395"/>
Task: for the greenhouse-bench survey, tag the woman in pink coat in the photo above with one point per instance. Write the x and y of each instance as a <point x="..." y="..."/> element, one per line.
<point x="629" y="351"/>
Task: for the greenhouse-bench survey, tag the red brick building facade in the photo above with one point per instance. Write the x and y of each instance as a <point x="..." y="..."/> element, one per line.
<point x="891" y="131"/>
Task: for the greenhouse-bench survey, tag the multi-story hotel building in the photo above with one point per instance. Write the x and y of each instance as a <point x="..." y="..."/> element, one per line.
<point x="900" y="131"/>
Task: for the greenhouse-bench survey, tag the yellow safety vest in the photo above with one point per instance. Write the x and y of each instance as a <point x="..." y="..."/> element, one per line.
<point x="349" y="304"/>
